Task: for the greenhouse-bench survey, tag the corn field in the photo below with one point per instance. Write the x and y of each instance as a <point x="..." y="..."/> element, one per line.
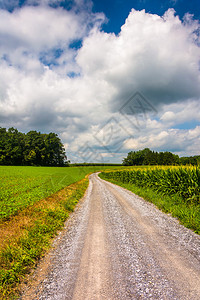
<point x="183" y="181"/>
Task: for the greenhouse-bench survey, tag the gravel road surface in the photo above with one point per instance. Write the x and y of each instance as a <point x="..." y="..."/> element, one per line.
<point x="118" y="246"/>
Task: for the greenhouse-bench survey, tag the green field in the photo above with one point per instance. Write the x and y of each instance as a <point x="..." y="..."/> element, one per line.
<point x="23" y="186"/>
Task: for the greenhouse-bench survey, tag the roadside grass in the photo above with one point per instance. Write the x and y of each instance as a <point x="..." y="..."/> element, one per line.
<point x="187" y="213"/>
<point x="27" y="236"/>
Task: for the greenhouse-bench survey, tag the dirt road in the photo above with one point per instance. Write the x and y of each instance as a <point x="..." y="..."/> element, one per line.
<point x="118" y="246"/>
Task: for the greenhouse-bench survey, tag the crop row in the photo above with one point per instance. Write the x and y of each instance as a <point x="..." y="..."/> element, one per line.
<point x="185" y="182"/>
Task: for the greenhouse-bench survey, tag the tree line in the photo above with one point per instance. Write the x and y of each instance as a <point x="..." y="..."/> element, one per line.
<point x="35" y="148"/>
<point x="148" y="157"/>
<point x="32" y="148"/>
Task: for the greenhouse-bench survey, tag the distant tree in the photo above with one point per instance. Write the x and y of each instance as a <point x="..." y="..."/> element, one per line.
<point x="13" y="147"/>
<point x="3" y="141"/>
<point x="33" y="148"/>
<point x="55" y="152"/>
<point x="148" y="157"/>
<point x="136" y="158"/>
<point x="192" y="160"/>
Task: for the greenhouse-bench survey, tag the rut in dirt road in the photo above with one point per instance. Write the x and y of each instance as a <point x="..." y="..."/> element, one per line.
<point x="118" y="246"/>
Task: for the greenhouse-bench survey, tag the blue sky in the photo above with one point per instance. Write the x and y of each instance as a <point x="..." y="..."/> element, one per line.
<point x="107" y="76"/>
<point x="117" y="10"/>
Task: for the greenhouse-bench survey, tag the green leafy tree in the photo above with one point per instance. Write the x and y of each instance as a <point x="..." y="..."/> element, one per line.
<point x="3" y="140"/>
<point x="55" y="154"/>
<point x="33" y="148"/>
<point x="192" y="160"/>
<point x="148" y="157"/>
<point x="14" y="147"/>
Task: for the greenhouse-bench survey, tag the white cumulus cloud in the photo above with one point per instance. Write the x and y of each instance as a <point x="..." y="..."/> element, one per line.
<point x="48" y="82"/>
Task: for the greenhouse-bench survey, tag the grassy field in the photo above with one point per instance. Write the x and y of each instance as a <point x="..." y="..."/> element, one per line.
<point x="34" y="204"/>
<point x="175" y="190"/>
<point x="23" y="186"/>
